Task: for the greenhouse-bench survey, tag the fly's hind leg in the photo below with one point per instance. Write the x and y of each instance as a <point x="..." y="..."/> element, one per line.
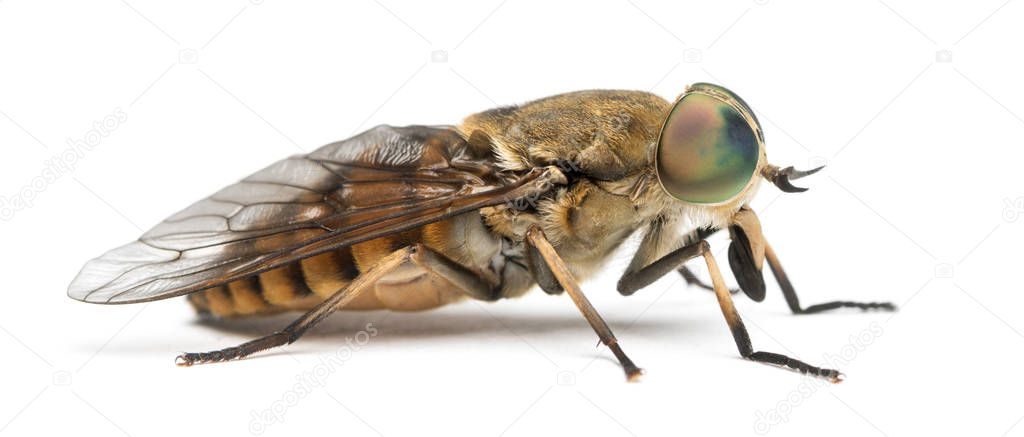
<point x="460" y="277"/>
<point x="464" y="279"/>
<point x="293" y="331"/>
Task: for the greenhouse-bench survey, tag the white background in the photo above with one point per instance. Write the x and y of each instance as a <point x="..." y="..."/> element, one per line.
<point x="918" y="205"/>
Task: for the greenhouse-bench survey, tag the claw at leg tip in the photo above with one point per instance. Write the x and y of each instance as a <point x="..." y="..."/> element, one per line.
<point x="634" y="374"/>
<point x="838" y="377"/>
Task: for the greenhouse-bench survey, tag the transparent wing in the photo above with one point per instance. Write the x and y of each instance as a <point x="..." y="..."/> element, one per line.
<point x="382" y="181"/>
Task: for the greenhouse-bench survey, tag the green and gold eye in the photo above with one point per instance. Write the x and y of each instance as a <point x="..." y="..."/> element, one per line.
<point x="708" y="150"/>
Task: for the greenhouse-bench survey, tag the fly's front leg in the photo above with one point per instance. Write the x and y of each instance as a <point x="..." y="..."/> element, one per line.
<point x="794" y="303"/>
<point x="633" y="281"/>
<point x="645" y="269"/>
<point x="692" y="279"/>
<point x="560" y="272"/>
<point x="788" y="291"/>
<point x="661" y="250"/>
<point x="742" y="338"/>
<point x="688" y="275"/>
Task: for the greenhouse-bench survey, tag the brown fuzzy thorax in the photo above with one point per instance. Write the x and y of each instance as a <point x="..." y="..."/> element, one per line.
<point x="603" y="133"/>
<point x="605" y="141"/>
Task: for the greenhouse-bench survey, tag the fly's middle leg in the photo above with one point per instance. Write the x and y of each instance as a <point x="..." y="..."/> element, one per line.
<point x="556" y="269"/>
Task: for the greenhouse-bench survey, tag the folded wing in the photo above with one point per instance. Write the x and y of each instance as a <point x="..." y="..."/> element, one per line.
<point x="385" y="180"/>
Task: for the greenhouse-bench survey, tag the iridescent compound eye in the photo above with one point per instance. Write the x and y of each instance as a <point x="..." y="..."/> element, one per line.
<point x="708" y="151"/>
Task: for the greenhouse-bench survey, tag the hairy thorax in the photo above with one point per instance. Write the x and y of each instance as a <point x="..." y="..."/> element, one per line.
<point x="602" y="141"/>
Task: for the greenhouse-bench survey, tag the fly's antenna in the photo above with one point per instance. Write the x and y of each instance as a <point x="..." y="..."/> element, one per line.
<point x="782" y="177"/>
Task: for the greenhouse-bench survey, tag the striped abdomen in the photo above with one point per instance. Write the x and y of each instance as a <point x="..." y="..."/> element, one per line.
<point x="302" y="285"/>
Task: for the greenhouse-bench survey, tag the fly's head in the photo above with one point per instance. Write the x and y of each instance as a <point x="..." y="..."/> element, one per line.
<point x="710" y="158"/>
